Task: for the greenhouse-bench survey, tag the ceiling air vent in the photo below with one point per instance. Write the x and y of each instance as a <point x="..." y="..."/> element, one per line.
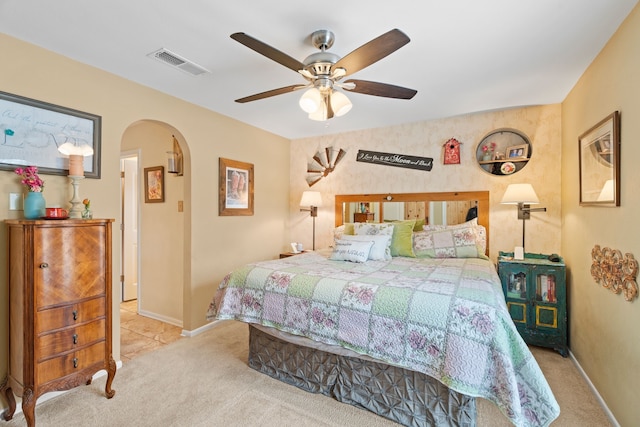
<point x="170" y="58"/>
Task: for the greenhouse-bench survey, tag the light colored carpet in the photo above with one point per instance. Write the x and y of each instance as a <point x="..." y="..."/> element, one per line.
<point x="205" y="381"/>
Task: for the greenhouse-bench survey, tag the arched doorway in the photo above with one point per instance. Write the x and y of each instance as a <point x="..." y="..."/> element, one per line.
<point x="160" y="233"/>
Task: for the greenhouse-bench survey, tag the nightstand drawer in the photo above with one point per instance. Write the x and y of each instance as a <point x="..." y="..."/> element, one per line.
<point x="50" y="344"/>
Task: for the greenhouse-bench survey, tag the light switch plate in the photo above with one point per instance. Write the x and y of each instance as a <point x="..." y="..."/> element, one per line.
<point x="15" y="202"/>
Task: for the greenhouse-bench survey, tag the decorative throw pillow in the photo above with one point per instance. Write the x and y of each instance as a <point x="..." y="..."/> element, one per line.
<point x="402" y="239"/>
<point x="344" y="229"/>
<point x="353" y="251"/>
<point x="374" y="229"/>
<point x="381" y="245"/>
<point x="481" y="232"/>
<point x="451" y="242"/>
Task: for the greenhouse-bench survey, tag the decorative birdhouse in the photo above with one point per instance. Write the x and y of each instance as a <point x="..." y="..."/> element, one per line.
<point x="452" y="152"/>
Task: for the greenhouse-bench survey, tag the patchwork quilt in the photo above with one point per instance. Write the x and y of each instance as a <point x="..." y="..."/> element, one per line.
<point x="443" y="317"/>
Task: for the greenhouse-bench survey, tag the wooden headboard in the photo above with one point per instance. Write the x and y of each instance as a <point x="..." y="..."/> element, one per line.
<point x="481" y="198"/>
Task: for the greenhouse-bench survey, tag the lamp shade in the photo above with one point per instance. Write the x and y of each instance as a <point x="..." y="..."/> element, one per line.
<point x="520" y="193"/>
<point x="606" y="194"/>
<point x="320" y="115"/>
<point x="340" y="104"/>
<point x="310" y="101"/>
<point x="76" y="148"/>
<point x="311" y="198"/>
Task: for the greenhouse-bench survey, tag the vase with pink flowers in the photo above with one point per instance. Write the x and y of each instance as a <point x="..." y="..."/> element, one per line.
<point x="487" y="151"/>
<point x="34" y="203"/>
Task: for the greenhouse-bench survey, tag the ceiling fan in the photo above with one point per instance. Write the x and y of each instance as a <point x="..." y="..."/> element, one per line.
<point x="324" y="71"/>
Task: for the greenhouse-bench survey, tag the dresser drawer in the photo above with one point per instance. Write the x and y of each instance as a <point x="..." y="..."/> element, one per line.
<point x="69" y="315"/>
<point x="50" y="344"/>
<point x="70" y="363"/>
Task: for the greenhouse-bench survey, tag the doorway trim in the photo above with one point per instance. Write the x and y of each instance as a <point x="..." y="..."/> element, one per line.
<point x="127" y="155"/>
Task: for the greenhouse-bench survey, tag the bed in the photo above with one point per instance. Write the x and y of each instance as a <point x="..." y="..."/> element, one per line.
<point x="412" y="327"/>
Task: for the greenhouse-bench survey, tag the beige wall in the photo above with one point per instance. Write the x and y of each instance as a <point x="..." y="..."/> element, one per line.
<point x="540" y="124"/>
<point x="604" y="334"/>
<point x="213" y="244"/>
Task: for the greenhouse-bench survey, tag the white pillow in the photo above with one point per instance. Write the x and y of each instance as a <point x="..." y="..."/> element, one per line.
<point x="353" y="251"/>
<point x="381" y="245"/>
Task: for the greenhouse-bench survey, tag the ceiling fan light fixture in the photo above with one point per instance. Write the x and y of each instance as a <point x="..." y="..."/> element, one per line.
<point x="311" y="100"/>
<point x="340" y="103"/>
<point x="320" y="115"/>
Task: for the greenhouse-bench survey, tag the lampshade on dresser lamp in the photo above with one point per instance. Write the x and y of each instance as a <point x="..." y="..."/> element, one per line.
<point x="524" y="196"/>
<point x="77" y="151"/>
<point x="309" y="203"/>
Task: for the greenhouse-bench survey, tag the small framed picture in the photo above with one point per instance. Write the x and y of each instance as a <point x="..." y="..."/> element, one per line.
<point x="154" y="184"/>
<point x="516" y="152"/>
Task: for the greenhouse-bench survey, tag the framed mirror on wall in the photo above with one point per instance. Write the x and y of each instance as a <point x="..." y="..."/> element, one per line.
<point x="599" y="157"/>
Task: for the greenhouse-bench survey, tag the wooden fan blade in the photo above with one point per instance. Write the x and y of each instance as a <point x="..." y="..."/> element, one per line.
<point x="381" y="89"/>
<point x="268" y="51"/>
<point x="373" y="51"/>
<point x="270" y="93"/>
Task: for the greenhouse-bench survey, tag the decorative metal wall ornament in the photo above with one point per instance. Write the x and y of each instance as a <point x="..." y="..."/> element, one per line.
<point x="615" y="272"/>
<point x="323" y="163"/>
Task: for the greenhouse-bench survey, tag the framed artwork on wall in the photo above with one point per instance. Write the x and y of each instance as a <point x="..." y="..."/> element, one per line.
<point x="154" y="184"/>
<point x="599" y="158"/>
<point x="235" y="181"/>
<point x="32" y="132"/>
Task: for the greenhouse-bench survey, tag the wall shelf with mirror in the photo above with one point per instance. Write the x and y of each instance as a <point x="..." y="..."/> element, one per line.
<point x="503" y="152"/>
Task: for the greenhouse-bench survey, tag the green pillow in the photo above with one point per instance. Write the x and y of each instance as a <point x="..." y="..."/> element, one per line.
<point x="401" y="239"/>
<point x="419" y="225"/>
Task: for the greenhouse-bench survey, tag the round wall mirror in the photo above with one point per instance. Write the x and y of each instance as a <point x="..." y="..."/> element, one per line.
<point x="503" y="152"/>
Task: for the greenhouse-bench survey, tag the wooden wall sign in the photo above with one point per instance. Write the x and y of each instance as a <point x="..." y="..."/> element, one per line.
<point x="398" y="160"/>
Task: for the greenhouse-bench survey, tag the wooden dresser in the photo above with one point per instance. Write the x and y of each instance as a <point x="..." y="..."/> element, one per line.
<point x="59" y="308"/>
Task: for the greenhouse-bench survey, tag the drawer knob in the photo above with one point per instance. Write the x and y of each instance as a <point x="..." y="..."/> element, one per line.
<point x="44" y="265"/>
<point x="75" y="362"/>
<point x="75" y="338"/>
<point x="75" y="314"/>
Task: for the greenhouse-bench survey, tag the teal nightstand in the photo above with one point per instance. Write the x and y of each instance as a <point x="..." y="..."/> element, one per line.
<point x="536" y="294"/>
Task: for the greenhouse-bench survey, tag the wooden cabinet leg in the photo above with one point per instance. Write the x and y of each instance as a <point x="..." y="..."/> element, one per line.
<point x="8" y="394"/>
<point x="29" y="407"/>
<point x="111" y="373"/>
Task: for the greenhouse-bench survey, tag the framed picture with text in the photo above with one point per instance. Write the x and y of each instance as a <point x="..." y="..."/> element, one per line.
<point x="33" y="131"/>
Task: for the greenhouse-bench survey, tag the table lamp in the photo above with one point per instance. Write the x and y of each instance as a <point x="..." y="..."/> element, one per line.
<point x="77" y="150"/>
<point x="524" y="196"/>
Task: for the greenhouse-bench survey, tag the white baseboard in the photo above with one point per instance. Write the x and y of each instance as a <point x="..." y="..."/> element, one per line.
<point x="201" y="329"/>
<point x="51" y="395"/>
<point x="165" y="319"/>
<point x="604" y="406"/>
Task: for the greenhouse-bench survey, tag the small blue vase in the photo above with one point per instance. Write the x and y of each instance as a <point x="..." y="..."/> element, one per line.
<point x="34" y="205"/>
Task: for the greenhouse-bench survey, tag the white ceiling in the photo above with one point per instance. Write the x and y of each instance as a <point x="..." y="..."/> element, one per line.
<point x="464" y="56"/>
